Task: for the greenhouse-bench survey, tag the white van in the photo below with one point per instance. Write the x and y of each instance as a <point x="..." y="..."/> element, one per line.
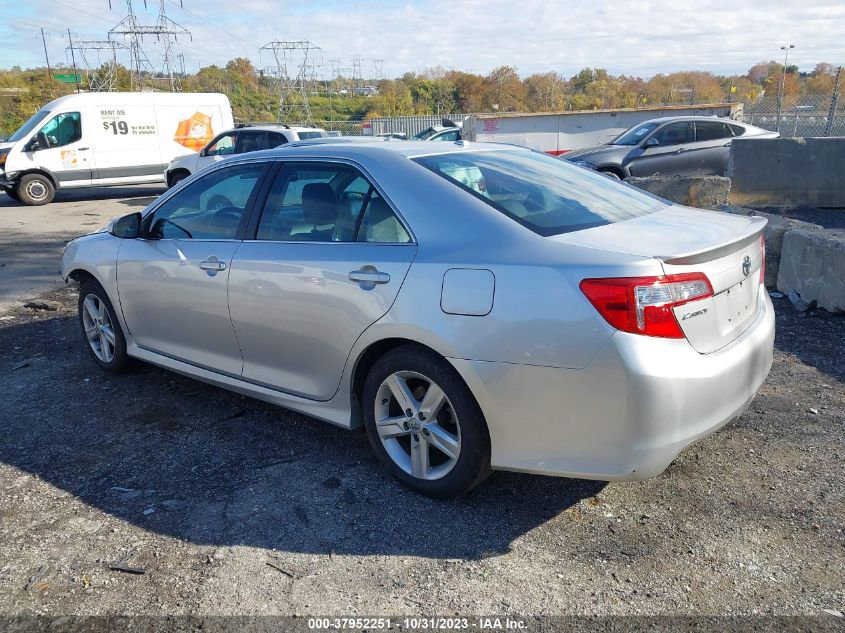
<point x="107" y="138"/>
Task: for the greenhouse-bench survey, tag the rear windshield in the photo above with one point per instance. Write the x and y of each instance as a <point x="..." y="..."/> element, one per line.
<point x="306" y="135"/>
<point x="547" y="195"/>
<point x="30" y="124"/>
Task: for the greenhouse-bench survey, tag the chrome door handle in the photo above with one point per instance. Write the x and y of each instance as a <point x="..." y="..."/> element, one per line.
<point x="212" y="263"/>
<point x="82" y="149"/>
<point x="368" y="276"/>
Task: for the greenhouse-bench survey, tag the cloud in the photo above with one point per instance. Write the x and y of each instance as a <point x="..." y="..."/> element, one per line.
<point x="635" y="38"/>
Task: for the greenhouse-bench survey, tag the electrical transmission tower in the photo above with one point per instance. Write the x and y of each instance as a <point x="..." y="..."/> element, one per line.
<point x="102" y="75"/>
<point x="356" y="72"/>
<point x="290" y="76"/>
<point x="165" y="30"/>
<point x="378" y="70"/>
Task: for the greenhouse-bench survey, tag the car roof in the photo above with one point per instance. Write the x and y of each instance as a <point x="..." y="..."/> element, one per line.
<point x="363" y="147"/>
<point x="668" y="119"/>
<point x="276" y="127"/>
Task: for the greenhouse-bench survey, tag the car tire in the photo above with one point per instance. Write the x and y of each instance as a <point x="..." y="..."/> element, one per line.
<point x="610" y="173"/>
<point x="101" y="333"/>
<point x="178" y="177"/>
<point x="35" y="190"/>
<point x="12" y="193"/>
<point x="410" y="446"/>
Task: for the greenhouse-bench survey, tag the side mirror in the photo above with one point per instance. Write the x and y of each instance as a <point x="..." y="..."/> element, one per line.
<point x="33" y="146"/>
<point x="652" y="142"/>
<point x="204" y="151"/>
<point x="128" y="227"/>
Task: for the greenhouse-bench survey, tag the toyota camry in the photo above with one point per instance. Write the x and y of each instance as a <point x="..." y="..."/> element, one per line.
<point x="472" y="306"/>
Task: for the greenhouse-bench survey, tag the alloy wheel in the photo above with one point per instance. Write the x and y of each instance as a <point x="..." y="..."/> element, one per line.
<point x="417" y="425"/>
<point x="98" y="328"/>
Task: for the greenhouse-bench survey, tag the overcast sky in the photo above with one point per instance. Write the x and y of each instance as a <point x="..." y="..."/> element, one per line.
<point x="635" y="38"/>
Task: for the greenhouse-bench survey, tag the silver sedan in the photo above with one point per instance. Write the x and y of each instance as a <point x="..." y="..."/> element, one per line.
<point x="473" y="306"/>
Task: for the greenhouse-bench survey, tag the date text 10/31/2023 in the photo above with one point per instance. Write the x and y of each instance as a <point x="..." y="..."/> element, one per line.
<point x="417" y="623"/>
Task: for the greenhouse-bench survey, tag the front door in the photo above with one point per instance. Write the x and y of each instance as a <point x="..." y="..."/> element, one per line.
<point x="172" y="283"/>
<point x="64" y="149"/>
<point x="668" y="157"/>
<point x="221" y="147"/>
<point x="327" y="261"/>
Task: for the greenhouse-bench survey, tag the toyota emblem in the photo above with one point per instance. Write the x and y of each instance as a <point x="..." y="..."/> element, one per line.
<point x="746" y="265"/>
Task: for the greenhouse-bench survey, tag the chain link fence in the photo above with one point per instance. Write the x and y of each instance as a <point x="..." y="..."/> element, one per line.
<point x="805" y="115"/>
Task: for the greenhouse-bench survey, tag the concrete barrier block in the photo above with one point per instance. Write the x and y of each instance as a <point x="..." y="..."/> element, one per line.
<point x="775" y="230"/>
<point x="705" y="192"/>
<point x="812" y="264"/>
<point x="783" y="172"/>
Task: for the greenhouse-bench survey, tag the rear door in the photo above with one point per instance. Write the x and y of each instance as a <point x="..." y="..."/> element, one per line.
<point x="711" y="150"/>
<point x="173" y="283"/>
<point x="126" y="143"/>
<point x="668" y="157"/>
<point x="327" y="259"/>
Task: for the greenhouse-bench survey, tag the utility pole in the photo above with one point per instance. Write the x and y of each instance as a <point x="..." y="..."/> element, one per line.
<point x="73" y="57"/>
<point x="47" y="57"/>
<point x="785" y="48"/>
<point x="834" y="100"/>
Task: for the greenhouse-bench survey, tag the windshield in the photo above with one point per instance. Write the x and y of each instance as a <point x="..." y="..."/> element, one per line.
<point x="30" y="124"/>
<point x="546" y="195"/>
<point x="635" y="134"/>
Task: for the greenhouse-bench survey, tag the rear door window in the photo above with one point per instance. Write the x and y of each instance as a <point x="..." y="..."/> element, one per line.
<point x="711" y="131"/>
<point x="327" y="202"/>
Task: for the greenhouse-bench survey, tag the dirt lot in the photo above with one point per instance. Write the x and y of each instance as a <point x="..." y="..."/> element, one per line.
<point x="32" y="238"/>
<point x="214" y="504"/>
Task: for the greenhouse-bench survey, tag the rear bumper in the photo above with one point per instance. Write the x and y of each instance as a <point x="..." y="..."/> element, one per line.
<point x="626" y="415"/>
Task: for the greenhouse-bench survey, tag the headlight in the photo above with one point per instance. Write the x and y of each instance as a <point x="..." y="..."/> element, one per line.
<point x="3" y="154"/>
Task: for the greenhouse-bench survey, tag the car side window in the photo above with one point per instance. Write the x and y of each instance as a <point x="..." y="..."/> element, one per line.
<point x="380" y="225"/>
<point x="223" y="146"/>
<point x="274" y="139"/>
<point x="250" y="142"/>
<point x="738" y="130"/>
<point x="673" y="133"/>
<point x="447" y="136"/>
<point x="324" y="202"/>
<point x="210" y="208"/>
<point x="711" y="131"/>
<point x="62" y="129"/>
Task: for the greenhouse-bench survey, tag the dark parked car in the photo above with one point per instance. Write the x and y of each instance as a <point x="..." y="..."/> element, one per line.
<point x="669" y="146"/>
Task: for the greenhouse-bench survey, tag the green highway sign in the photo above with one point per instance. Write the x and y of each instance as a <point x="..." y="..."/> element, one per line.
<point x="68" y="78"/>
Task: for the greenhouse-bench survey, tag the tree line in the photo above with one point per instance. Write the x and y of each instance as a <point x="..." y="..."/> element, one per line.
<point x="439" y="91"/>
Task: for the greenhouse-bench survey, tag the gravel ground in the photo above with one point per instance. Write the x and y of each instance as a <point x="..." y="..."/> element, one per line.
<point x="150" y="493"/>
<point x="827" y="218"/>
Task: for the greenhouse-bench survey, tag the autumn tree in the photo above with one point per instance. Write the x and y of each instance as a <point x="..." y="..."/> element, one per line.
<point x="505" y="91"/>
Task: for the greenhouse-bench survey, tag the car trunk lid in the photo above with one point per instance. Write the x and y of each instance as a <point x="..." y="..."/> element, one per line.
<point x="726" y="248"/>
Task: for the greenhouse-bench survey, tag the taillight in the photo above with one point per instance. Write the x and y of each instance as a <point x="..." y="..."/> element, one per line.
<point x="762" y="260"/>
<point x="643" y="305"/>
